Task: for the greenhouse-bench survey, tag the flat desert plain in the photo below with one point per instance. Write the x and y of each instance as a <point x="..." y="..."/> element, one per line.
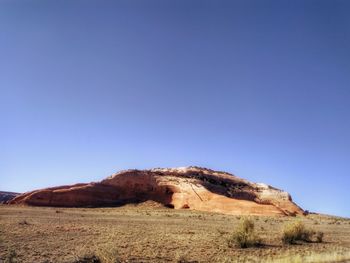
<point x="151" y="233"/>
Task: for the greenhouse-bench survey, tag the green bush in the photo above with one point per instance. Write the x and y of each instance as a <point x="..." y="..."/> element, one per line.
<point x="244" y="235"/>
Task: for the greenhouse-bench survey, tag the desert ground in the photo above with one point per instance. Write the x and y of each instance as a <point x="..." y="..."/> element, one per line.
<point x="152" y="233"/>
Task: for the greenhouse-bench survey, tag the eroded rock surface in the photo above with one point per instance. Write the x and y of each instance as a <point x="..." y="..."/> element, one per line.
<point x="181" y="188"/>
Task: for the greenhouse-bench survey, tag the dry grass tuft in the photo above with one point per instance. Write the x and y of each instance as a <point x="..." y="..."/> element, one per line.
<point x="102" y="255"/>
<point x="108" y="255"/>
<point x="184" y="259"/>
<point x="96" y="252"/>
<point x="244" y="235"/>
<point x="11" y="257"/>
<point x="296" y="231"/>
<point x="312" y="257"/>
<point x="319" y="236"/>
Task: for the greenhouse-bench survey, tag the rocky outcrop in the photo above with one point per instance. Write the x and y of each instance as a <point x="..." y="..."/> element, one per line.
<point x="6" y="196"/>
<point x="180" y="188"/>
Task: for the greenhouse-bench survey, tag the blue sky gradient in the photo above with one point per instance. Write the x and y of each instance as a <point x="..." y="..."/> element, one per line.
<point x="260" y="89"/>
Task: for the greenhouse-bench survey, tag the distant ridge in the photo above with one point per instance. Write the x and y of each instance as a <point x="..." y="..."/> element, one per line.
<point x="6" y="196"/>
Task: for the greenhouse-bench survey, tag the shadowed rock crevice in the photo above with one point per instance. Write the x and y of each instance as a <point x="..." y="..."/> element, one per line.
<point x="180" y="188"/>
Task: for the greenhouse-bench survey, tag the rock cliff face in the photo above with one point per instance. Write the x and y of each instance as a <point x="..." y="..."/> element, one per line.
<point x="180" y="188"/>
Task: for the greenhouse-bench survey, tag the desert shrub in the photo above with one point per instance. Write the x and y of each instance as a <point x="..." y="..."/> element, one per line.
<point x="98" y="254"/>
<point x="88" y="259"/>
<point x="183" y="258"/>
<point x="108" y="255"/>
<point x="296" y="231"/>
<point x="319" y="236"/>
<point x="244" y="235"/>
<point x="11" y="257"/>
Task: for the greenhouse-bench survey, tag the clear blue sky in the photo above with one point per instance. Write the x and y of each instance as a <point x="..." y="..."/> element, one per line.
<point x="260" y="89"/>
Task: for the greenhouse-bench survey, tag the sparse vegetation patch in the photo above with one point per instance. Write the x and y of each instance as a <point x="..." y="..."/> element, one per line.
<point x="129" y="234"/>
<point x="296" y="231"/>
<point x="244" y="235"/>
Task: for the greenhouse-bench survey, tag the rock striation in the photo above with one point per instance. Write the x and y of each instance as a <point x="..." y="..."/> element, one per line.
<point x="180" y="188"/>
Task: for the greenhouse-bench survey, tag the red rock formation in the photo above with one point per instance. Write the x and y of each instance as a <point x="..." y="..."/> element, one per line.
<point x="190" y="187"/>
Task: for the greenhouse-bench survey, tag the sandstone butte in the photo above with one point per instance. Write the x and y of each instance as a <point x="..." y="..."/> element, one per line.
<point x="180" y="188"/>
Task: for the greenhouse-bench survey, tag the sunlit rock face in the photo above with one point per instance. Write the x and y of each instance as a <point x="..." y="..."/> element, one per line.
<point x="180" y="188"/>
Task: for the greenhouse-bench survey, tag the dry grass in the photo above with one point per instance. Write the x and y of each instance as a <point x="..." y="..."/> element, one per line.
<point x="319" y="236"/>
<point x="156" y="234"/>
<point x="339" y="255"/>
<point x="296" y="231"/>
<point x="244" y="235"/>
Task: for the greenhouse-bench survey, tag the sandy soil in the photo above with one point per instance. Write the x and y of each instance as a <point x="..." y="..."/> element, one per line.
<point x="150" y="233"/>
